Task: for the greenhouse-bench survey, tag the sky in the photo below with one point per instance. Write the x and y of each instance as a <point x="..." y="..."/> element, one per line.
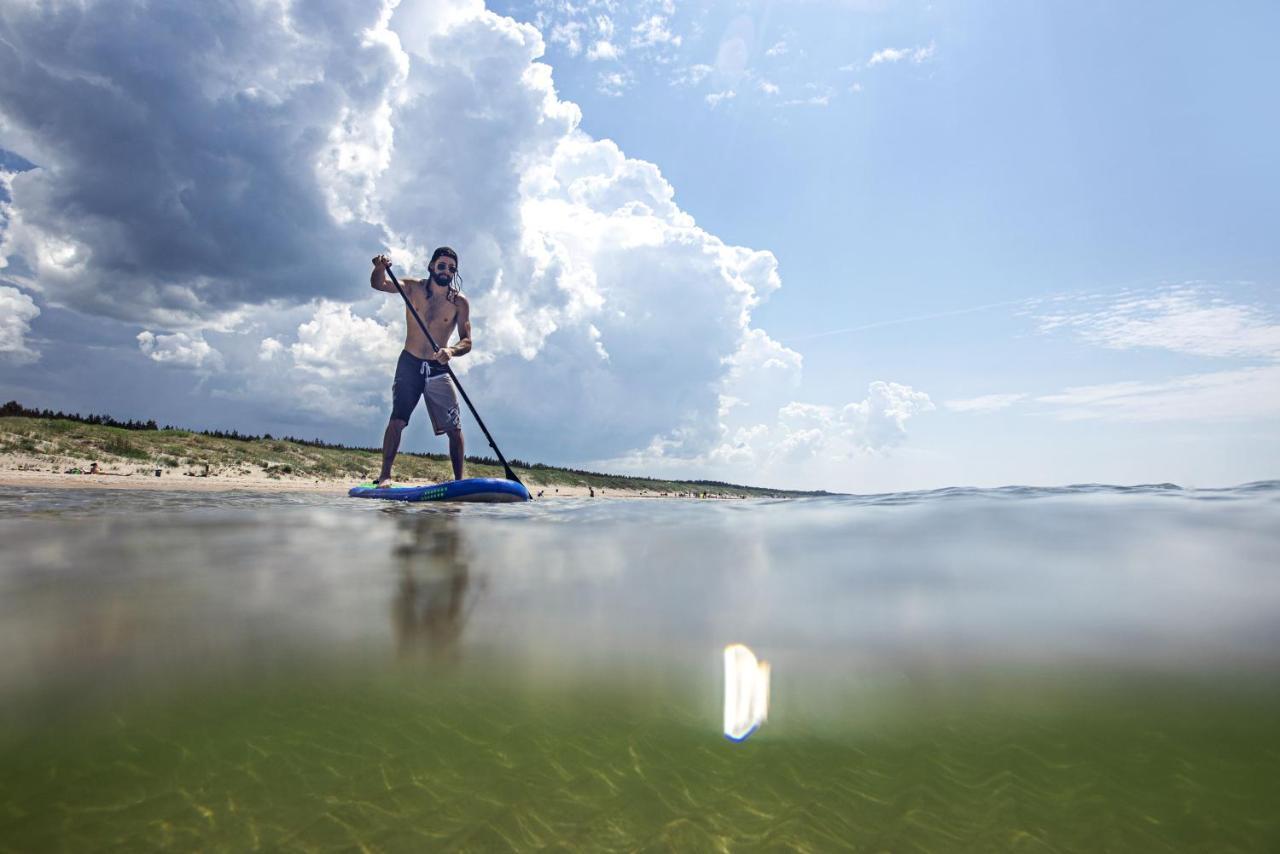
<point x="853" y="245"/>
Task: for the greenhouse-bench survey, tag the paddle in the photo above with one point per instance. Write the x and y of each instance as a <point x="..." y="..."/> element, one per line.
<point x="434" y="346"/>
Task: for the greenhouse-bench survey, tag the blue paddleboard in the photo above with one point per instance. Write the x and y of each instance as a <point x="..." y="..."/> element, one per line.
<point x="491" y="489"/>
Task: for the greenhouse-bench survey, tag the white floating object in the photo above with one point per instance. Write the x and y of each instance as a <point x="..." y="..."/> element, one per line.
<point x="746" y="692"/>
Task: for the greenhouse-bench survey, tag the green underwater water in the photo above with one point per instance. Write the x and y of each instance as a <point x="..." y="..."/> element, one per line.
<point x="420" y="760"/>
<point x="1089" y="670"/>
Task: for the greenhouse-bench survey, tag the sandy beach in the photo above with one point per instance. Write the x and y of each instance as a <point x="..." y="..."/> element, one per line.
<point x="27" y="476"/>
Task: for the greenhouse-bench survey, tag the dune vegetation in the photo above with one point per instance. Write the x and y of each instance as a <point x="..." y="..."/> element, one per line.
<point x="47" y="443"/>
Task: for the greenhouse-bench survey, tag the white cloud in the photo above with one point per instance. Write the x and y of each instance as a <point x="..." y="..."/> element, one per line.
<point x="270" y="349"/>
<point x="654" y="30"/>
<point x="768" y="88"/>
<point x="915" y="55"/>
<point x="607" y="30"/>
<point x="763" y="376"/>
<point x="778" y="49"/>
<point x="337" y="363"/>
<point x="336" y="343"/>
<point x="1184" y="319"/>
<point x="180" y="350"/>
<point x="797" y="433"/>
<point x="985" y="403"/>
<point x="568" y="34"/>
<point x="17" y="310"/>
<point x="613" y="83"/>
<point x="811" y="101"/>
<point x="605" y="26"/>
<point x="1189" y="320"/>
<point x="714" y="98"/>
<point x="1215" y="396"/>
<point x="691" y="75"/>
<point x="603" y="50"/>
<point x="880" y="421"/>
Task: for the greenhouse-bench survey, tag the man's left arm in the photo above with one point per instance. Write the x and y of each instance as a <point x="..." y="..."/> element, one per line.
<point x="463" y="347"/>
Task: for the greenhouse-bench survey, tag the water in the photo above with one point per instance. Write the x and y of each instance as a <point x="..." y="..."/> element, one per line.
<point x="1081" y="669"/>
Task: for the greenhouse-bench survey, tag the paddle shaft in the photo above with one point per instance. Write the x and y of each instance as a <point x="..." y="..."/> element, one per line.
<point x="434" y="346"/>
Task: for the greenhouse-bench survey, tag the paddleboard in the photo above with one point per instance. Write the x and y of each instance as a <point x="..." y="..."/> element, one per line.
<point x="489" y="489"/>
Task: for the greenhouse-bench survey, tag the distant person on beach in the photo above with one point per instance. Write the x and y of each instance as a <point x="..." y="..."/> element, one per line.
<point x="420" y="372"/>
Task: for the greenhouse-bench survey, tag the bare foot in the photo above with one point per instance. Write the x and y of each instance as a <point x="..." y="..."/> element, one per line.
<point x="382" y="484"/>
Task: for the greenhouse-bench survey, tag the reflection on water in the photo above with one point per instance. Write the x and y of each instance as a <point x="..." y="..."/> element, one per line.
<point x="1081" y="669"/>
<point x="428" y="612"/>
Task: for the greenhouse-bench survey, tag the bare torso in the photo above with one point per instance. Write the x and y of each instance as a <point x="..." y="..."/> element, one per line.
<point x="439" y="313"/>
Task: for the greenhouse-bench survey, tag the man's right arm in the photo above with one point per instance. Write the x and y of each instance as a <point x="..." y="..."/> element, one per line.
<point x="378" y="278"/>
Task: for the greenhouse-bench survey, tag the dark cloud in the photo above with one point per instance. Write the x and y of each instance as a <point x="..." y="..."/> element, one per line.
<point x="176" y="147"/>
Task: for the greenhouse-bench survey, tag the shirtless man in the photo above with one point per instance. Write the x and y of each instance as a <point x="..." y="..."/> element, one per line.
<point x="420" y="371"/>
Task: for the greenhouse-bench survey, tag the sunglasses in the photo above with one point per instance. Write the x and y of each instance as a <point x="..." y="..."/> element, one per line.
<point x="442" y="267"/>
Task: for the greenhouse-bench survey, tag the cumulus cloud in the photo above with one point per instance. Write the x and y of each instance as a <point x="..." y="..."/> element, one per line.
<point x="241" y="179"/>
<point x="915" y="55"/>
<point x="337" y="363"/>
<point x="879" y="422"/>
<point x="180" y="350"/>
<point x="270" y="349"/>
<point x="17" y="310"/>
<point x="337" y="343"/>
<point x="603" y="49"/>
<point x="778" y="49"/>
<point x="716" y="98"/>
<point x="796" y="433"/>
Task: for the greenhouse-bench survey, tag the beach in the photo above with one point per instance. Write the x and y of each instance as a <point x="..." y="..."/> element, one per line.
<point x="63" y="453"/>
<point x="12" y="474"/>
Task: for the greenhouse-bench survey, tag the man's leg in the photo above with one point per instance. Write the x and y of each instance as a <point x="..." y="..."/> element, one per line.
<point x="390" y="445"/>
<point x="456" y="455"/>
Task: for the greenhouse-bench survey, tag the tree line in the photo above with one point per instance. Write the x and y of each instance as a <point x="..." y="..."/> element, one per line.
<point x="13" y="409"/>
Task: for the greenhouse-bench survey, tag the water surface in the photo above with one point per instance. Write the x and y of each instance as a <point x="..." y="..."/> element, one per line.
<point x="1080" y="669"/>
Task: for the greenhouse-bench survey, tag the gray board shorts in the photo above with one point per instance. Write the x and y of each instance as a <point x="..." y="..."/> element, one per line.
<point x="423" y="378"/>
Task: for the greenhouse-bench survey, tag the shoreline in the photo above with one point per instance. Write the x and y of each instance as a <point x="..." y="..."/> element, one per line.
<point x="45" y="450"/>
<point x="250" y="483"/>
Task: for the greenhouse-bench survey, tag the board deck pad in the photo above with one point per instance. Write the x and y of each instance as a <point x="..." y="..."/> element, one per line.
<point x="486" y="489"/>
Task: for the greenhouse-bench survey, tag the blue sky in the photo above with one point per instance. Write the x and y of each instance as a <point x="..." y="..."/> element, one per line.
<point x="859" y="246"/>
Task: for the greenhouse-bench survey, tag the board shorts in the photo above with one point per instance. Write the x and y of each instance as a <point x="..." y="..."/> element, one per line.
<point x="423" y="378"/>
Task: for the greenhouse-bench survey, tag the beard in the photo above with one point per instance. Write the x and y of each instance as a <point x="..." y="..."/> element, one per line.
<point x="442" y="279"/>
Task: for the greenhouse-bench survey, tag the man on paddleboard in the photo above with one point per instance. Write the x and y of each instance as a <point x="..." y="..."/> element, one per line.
<point x="421" y="369"/>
